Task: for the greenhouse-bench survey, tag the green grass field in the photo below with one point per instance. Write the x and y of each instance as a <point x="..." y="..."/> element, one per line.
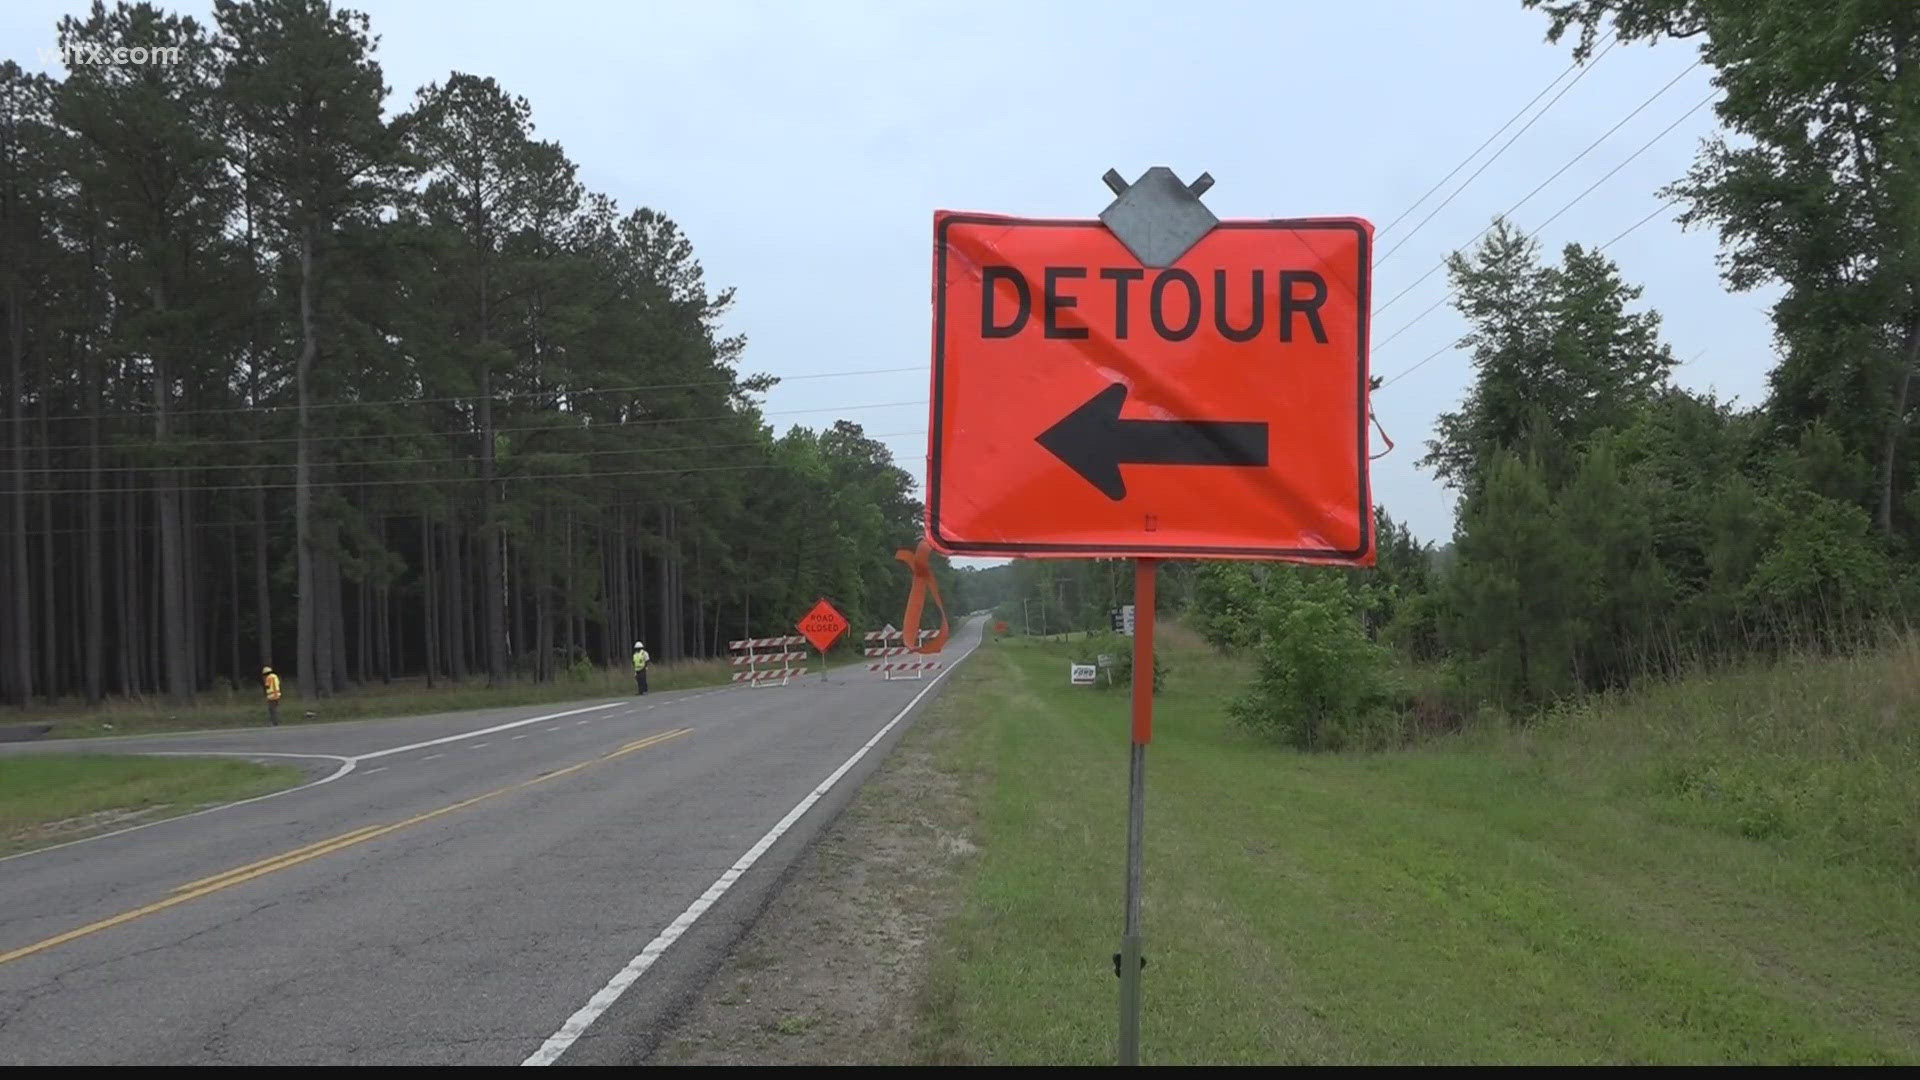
<point x="410" y="697"/>
<point x="1720" y="870"/>
<point x="49" y="798"/>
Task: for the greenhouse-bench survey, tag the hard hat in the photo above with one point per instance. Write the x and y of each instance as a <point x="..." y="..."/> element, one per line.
<point x="639" y="645"/>
<point x="266" y="670"/>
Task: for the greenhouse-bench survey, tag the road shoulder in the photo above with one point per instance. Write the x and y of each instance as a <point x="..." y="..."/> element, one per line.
<point x="833" y="971"/>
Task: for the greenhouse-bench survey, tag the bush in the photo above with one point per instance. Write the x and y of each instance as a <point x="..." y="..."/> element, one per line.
<point x="1120" y="647"/>
<point x="1320" y="684"/>
<point x="1824" y="572"/>
<point x="1415" y="625"/>
<point x="1226" y="597"/>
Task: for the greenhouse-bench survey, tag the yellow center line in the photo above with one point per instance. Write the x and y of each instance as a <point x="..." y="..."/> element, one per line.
<point x="310" y="848"/>
<point x="210" y="885"/>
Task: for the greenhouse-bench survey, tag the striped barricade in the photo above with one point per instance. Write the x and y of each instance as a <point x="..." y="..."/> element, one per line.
<point x="768" y="661"/>
<point x="891" y="642"/>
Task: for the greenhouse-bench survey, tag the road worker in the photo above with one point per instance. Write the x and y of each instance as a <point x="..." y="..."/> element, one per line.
<point x="272" y="684"/>
<point x="640" y="659"/>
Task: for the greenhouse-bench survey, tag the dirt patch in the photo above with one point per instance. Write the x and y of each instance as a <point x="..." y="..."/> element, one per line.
<point x="84" y="825"/>
<point x="832" y="971"/>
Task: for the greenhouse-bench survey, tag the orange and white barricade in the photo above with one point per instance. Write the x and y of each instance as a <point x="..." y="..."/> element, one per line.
<point x="890" y="643"/>
<point x="767" y="661"/>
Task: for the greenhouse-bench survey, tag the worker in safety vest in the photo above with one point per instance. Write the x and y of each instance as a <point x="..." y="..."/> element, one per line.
<point x="272" y="683"/>
<point x="640" y="659"/>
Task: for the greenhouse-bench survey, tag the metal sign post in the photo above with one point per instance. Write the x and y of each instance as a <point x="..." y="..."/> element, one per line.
<point x="1130" y="959"/>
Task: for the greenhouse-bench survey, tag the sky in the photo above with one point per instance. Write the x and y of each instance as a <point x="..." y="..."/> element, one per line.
<point x="805" y="146"/>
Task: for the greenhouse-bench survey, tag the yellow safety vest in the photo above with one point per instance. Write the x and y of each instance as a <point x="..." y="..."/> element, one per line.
<point x="640" y="659"/>
<point x="273" y="687"/>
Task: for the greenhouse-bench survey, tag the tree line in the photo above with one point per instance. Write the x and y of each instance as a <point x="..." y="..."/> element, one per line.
<point x="294" y="379"/>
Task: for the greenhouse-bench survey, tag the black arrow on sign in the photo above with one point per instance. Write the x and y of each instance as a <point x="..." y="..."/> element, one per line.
<point x="1093" y="441"/>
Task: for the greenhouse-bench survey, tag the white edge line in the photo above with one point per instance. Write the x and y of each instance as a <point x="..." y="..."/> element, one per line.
<point x="346" y="766"/>
<point x="508" y="726"/>
<point x="577" y="1024"/>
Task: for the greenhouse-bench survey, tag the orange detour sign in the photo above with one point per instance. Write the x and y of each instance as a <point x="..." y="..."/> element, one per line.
<point x="822" y="625"/>
<point x="1086" y="404"/>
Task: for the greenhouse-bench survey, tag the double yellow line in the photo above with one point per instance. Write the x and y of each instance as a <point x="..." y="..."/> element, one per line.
<point x="206" y="886"/>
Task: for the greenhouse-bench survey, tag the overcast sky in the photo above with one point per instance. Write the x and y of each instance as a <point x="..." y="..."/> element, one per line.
<point x="805" y="146"/>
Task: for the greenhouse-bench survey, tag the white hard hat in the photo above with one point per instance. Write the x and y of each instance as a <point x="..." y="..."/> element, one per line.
<point x="639" y="645"/>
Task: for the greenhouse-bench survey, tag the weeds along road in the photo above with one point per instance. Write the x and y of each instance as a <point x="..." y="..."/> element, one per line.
<point x="534" y="885"/>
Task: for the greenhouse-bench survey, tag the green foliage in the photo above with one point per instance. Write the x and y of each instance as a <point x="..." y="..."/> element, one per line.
<point x="1557" y="352"/>
<point x="1226" y="605"/>
<point x="1120" y="648"/>
<point x="1814" y="187"/>
<point x="376" y="395"/>
<point x="1417" y="627"/>
<point x="1511" y="600"/>
<point x="1319" y="683"/>
<point x="1823" y="572"/>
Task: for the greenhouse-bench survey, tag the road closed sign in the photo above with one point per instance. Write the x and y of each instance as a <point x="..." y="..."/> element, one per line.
<point x="1085" y="404"/>
<point x="822" y="625"/>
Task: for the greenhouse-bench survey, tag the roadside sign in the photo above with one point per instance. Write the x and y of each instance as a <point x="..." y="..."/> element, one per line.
<point x="1104" y="660"/>
<point x="822" y="625"/>
<point x="1086" y="404"/>
<point x="1155" y="384"/>
<point x="1000" y="627"/>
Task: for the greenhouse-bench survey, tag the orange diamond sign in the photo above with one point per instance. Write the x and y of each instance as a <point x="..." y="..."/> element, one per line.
<point x="823" y="625"/>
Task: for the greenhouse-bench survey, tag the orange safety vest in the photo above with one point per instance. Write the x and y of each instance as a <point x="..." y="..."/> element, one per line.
<point x="273" y="686"/>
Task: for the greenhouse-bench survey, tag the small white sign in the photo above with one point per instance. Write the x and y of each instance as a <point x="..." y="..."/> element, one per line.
<point x="1083" y="674"/>
<point x="1105" y="660"/>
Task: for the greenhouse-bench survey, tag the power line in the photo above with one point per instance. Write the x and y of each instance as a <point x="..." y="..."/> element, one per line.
<point x="1423" y="362"/>
<point x="446" y="480"/>
<point x="251" y="523"/>
<point x="1663" y="131"/>
<point x="1571" y="162"/>
<point x="1496" y="154"/>
<point x="1656" y="211"/>
<point x="697" y="447"/>
<point x="505" y="396"/>
<point x="1644" y="147"/>
<point x="1476" y="150"/>
<point x="592" y="427"/>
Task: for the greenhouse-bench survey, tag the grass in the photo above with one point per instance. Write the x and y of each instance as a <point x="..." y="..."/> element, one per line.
<point x="49" y="798"/>
<point x="1587" y="891"/>
<point x="228" y="707"/>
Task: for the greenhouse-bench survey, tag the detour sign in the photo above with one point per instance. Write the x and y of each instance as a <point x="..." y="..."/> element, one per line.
<point x="1086" y="405"/>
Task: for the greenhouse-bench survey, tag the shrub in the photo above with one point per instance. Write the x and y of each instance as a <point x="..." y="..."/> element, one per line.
<point x="1320" y="684"/>
<point x="1120" y="647"/>
<point x="1226" y="597"/>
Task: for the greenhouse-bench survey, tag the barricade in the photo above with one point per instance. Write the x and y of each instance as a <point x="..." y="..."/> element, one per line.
<point x="768" y="661"/>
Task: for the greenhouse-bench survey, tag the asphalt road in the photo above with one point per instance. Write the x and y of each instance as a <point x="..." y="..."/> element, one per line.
<point x="539" y="885"/>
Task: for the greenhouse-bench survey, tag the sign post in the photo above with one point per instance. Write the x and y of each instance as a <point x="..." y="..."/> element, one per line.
<point x="1130" y="959"/>
<point x="1155" y="384"/>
